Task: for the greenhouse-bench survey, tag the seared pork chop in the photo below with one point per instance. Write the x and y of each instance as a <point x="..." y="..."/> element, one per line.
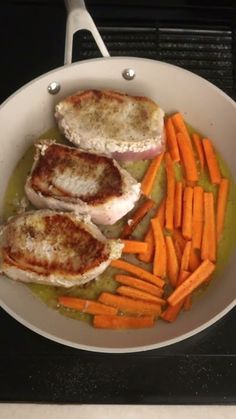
<point x="112" y="123"/>
<point x="54" y="248"/>
<point x="66" y="178"/>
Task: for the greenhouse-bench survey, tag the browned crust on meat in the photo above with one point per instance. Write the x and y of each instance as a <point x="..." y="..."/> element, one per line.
<point x="82" y="164"/>
<point x="62" y="232"/>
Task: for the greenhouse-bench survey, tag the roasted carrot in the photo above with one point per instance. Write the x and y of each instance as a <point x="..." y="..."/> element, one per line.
<point x="129" y="305"/>
<point x="170" y="194"/>
<point x="192" y="282"/>
<point x="160" y="257"/>
<point x="177" y="236"/>
<point x="188" y="303"/>
<point x="187" y="158"/>
<point x="198" y="212"/>
<point x="171" y="140"/>
<point x="178" y="204"/>
<point x="122" y="322"/>
<point x="187" y="213"/>
<point x="183" y="275"/>
<point x="186" y="256"/>
<point x="178" y="251"/>
<point x="180" y="126"/>
<point x="149" y="239"/>
<point x="139" y="272"/>
<point x="199" y="149"/>
<point x="86" y="306"/>
<point x="139" y="284"/>
<point x="194" y="259"/>
<point x="171" y="312"/>
<point x="172" y="262"/>
<point x="133" y="246"/>
<point x="208" y="249"/>
<point x="222" y="199"/>
<point x="137" y="217"/>
<point x="150" y="175"/>
<point x="212" y="161"/>
<point x="139" y="295"/>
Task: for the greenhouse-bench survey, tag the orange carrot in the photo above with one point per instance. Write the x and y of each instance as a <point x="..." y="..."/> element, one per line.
<point x="139" y="284"/>
<point x="133" y="246"/>
<point x="149" y="238"/>
<point x="160" y="214"/>
<point x="183" y="275"/>
<point x="187" y="158"/>
<point x="129" y="305"/>
<point x="122" y="322"/>
<point x="171" y="312"/>
<point x="194" y="259"/>
<point x="86" y="306"/>
<point x="187" y="213"/>
<point x="137" y="217"/>
<point x="139" y="295"/>
<point x="212" y="161"/>
<point x="186" y="256"/>
<point x="199" y="149"/>
<point x="177" y="236"/>
<point x="150" y="175"/>
<point x="188" y="303"/>
<point x="221" y="206"/>
<point x="139" y="272"/>
<point x="171" y="140"/>
<point x="208" y="249"/>
<point x="172" y="262"/>
<point x="198" y="213"/>
<point x="170" y="194"/>
<point x="178" y="251"/>
<point x="180" y="126"/>
<point x="192" y="282"/>
<point x="160" y="257"/>
<point x="178" y="204"/>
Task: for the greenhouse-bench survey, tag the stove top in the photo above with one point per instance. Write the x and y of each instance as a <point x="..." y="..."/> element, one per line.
<point x="201" y="369"/>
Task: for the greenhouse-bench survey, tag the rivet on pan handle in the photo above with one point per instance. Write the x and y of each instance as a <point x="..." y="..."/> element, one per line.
<point x="78" y="18"/>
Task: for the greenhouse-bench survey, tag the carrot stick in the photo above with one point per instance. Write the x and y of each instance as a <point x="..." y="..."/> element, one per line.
<point x="160" y="214"/>
<point x="170" y="195"/>
<point x="137" y="217"/>
<point x="187" y="158"/>
<point x="172" y="262"/>
<point x="183" y="275"/>
<point x="129" y="305"/>
<point x="194" y="260"/>
<point x="192" y="282"/>
<point x="86" y="306"/>
<point x="133" y="246"/>
<point x="178" y="251"/>
<point x="139" y="272"/>
<point x="186" y="256"/>
<point x="180" y="126"/>
<point x="199" y="149"/>
<point x="150" y="175"/>
<point x="139" y="295"/>
<point x="149" y="238"/>
<point x="139" y="284"/>
<point x="177" y="236"/>
<point x="212" y="161"/>
<point x="171" y="140"/>
<point x="221" y="206"/>
<point x="208" y="249"/>
<point x="198" y="212"/>
<point x="160" y="257"/>
<point x="188" y="303"/>
<point x="187" y="213"/>
<point x="178" y="204"/>
<point x="171" y="312"/>
<point x="122" y="322"/>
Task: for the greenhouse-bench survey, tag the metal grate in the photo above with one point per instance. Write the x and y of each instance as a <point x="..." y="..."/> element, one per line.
<point x="208" y="53"/>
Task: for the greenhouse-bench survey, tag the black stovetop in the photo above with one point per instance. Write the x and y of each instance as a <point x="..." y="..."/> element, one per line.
<point x="201" y="369"/>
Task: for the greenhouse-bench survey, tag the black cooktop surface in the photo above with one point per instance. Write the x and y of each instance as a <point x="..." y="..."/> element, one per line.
<point x="201" y="369"/>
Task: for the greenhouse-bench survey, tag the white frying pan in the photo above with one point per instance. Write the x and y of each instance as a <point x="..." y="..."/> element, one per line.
<point x="31" y="108"/>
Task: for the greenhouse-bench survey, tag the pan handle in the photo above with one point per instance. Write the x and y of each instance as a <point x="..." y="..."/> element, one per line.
<point x="79" y="18"/>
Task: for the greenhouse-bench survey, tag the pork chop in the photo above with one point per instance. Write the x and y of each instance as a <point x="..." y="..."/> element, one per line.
<point x="66" y="178"/>
<point x="111" y="123"/>
<point x="54" y="248"/>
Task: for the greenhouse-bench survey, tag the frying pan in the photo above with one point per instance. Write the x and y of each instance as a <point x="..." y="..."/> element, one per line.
<point x="32" y="108"/>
